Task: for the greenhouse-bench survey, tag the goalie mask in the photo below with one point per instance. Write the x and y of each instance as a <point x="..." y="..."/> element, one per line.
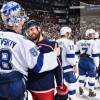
<point x="12" y="13"/>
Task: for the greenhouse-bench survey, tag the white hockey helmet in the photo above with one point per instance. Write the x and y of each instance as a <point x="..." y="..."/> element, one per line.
<point x="89" y="33"/>
<point x="96" y="35"/>
<point x="65" y="30"/>
<point x="11" y="13"/>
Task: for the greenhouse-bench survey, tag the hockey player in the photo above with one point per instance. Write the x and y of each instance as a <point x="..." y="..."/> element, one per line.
<point x="97" y="40"/>
<point x="42" y="85"/>
<point x="68" y="60"/>
<point x="88" y="61"/>
<point x="17" y="54"/>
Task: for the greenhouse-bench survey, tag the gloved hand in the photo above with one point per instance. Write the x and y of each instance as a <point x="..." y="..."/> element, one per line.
<point x="62" y="93"/>
<point x="62" y="90"/>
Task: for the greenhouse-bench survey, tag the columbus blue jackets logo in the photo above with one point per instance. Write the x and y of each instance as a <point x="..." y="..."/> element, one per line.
<point x="34" y="51"/>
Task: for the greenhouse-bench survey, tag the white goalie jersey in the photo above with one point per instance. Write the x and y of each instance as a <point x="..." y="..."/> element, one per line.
<point x="18" y="54"/>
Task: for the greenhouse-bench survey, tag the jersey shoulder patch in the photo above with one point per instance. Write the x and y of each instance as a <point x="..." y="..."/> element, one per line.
<point x="34" y="51"/>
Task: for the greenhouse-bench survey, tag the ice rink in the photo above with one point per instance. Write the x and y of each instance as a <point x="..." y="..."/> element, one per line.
<point x="84" y="96"/>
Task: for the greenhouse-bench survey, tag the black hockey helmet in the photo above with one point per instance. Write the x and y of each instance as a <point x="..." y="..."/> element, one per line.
<point x="28" y="24"/>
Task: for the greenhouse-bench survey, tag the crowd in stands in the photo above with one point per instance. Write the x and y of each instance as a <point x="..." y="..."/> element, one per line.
<point x="79" y="25"/>
<point x="97" y="2"/>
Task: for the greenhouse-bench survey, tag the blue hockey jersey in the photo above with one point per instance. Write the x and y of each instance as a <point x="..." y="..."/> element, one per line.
<point x="45" y="81"/>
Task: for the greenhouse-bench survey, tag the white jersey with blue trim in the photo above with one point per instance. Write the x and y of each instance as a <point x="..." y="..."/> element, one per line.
<point x="18" y="54"/>
<point x="68" y="52"/>
<point x="98" y="44"/>
<point x="89" y="47"/>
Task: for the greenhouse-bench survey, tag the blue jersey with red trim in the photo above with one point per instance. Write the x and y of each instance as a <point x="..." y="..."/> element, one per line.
<point x="45" y="81"/>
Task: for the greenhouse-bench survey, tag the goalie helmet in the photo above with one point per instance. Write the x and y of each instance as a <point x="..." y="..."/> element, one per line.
<point x="11" y="13"/>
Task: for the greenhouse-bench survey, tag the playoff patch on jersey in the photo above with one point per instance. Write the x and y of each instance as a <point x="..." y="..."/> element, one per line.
<point x="33" y="51"/>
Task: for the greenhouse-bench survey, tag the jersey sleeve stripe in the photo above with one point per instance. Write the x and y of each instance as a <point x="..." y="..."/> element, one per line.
<point x="95" y="55"/>
<point x="70" y="55"/>
<point x="67" y="67"/>
<point x="39" y="64"/>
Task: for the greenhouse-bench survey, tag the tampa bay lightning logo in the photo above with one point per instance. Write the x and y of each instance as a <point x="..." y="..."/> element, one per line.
<point x="33" y="51"/>
<point x="10" y="7"/>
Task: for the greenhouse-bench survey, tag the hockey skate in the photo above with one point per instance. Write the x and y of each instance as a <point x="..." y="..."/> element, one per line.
<point x="91" y="93"/>
<point x="81" y="91"/>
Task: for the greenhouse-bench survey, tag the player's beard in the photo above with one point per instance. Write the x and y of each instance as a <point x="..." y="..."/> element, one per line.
<point x="35" y="37"/>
